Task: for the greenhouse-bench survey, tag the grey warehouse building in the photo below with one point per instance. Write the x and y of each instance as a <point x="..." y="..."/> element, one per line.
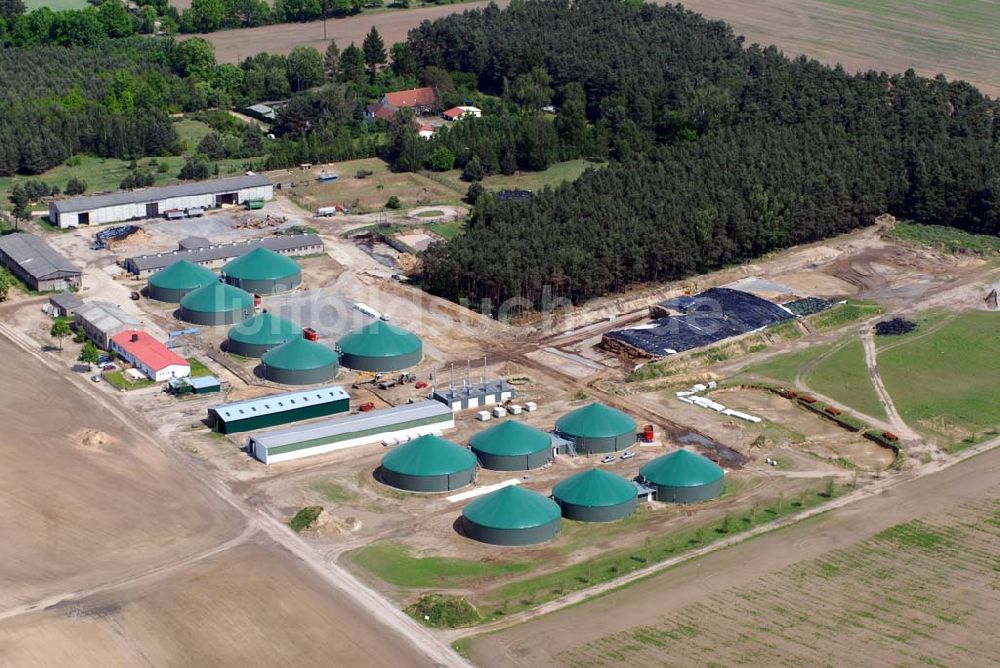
<point x="37" y="264"/>
<point x="102" y="320"/>
<point x="153" y="202"/>
<point x="201" y="251"/>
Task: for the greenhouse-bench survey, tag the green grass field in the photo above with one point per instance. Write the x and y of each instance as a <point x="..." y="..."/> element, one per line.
<point x="534" y="181"/>
<point x="449" y="230"/>
<point x="393" y="563"/>
<point x="947" y="383"/>
<point x="843" y="376"/>
<point x="784" y="368"/>
<point x="842" y="315"/>
<point x="56" y="5"/>
<point x="198" y="369"/>
<point x="947" y="238"/>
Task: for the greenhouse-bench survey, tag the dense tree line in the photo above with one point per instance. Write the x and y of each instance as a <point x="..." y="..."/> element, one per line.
<point x="719" y="152"/>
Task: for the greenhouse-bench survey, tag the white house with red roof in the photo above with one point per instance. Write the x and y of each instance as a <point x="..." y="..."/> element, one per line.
<point x="149" y="356"/>
<point x="456" y="113"/>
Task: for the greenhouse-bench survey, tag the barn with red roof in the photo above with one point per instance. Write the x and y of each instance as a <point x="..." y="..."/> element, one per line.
<point x="149" y="356"/>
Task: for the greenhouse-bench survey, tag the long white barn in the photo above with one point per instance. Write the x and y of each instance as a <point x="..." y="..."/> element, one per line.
<point x="153" y="202"/>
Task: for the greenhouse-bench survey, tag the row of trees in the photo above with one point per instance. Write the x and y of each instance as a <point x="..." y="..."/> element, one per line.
<point x="720" y="152"/>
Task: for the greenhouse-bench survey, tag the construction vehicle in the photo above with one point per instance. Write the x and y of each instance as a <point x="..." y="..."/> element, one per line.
<point x="647" y="433"/>
<point x="365" y="377"/>
<point x="420" y="385"/>
<point x="309" y="334"/>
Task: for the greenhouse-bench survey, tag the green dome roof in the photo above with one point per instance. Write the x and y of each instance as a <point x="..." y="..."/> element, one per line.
<point x="264" y="330"/>
<point x="261" y="264"/>
<point x="595" y="421"/>
<point x="595" y="488"/>
<point x="681" y="468"/>
<point x="429" y="456"/>
<point x="217" y="298"/>
<point x="298" y="354"/>
<point x="379" y="339"/>
<point x="512" y="507"/>
<point x="511" y="439"/>
<point x="183" y="275"/>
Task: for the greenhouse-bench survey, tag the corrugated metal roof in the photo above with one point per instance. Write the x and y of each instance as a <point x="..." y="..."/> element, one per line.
<point x="214" y="252"/>
<point x="215" y="186"/>
<point x="67" y="301"/>
<point x="105" y="316"/>
<point x="279" y="403"/>
<point x="202" y="382"/>
<point x="475" y="390"/>
<point x="35" y="256"/>
<point x="380" y="420"/>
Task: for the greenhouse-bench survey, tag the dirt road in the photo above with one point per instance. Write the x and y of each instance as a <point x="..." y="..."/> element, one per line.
<point x="871" y="361"/>
<point x="105" y="525"/>
<point x="234" y="45"/>
<point x="538" y="642"/>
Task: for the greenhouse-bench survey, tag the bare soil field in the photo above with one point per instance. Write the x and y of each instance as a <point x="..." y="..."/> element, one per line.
<point x="234" y="45"/>
<point x="801" y="595"/>
<point x="929" y="36"/>
<point x="249" y="605"/>
<point x="88" y="500"/>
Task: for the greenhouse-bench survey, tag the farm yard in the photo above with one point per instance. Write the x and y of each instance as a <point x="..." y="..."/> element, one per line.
<point x="931" y="36"/>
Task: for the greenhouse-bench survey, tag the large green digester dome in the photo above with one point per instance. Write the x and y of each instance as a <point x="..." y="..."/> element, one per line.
<point x="263" y="272"/>
<point x="299" y="362"/>
<point x="597" y="428"/>
<point x="512" y="446"/>
<point x="172" y="283"/>
<point x="683" y="477"/>
<point x="511" y="516"/>
<point x="379" y="346"/>
<point x="259" y="334"/>
<point x="216" y="304"/>
<point x="596" y="496"/>
<point x="429" y="464"/>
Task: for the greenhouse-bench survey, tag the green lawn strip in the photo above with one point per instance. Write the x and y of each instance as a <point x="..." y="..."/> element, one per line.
<point x="949" y="379"/>
<point x="118" y="381"/>
<point x="948" y="239"/>
<point x="448" y="230"/>
<point x="528" y="593"/>
<point x="198" y="369"/>
<point x="843" y="376"/>
<point x="394" y="563"/>
<point x="844" y="314"/>
<point x="534" y="181"/>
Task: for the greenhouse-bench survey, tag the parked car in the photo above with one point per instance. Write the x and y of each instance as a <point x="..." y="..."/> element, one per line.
<point x="104" y="359"/>
<point x="108" y="367"/>
<point x="95" y="378"/>
<point x="628" y="454"/>
<point x="608" y="459"/>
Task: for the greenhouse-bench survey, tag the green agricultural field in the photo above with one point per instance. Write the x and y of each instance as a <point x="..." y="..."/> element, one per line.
<point x="785" y="368"/>
<point x="889" y="599"/>
<point x="946" y="382"/>
<point x="947" y="239"/>
<point x="394" y="563"/>
<point x="190" y="133"/>
<point x="198" y="369"/>
<point x="843" y="376"/>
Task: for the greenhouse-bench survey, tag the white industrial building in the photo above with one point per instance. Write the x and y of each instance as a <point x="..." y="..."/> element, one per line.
<point x="400" y="423"/>
<point x="154" y="202"/>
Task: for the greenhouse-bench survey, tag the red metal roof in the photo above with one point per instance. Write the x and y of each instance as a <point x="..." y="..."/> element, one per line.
<point x="148" y="350"/>
<point x="454" y="112"/>
<point x="415" y="97"/>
